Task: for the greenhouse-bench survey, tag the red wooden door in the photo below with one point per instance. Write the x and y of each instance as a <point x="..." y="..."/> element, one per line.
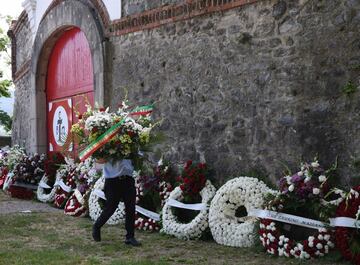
<point x="69" y="86"/>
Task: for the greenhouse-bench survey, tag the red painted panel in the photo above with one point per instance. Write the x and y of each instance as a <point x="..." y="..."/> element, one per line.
<point x="69" y="82"/>
<point x="70" y="70"/>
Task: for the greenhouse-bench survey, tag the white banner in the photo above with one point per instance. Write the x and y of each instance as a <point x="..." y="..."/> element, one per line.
<point x="99" y="193"/>
<point x="148" y="213"/>
<point x="43" y="185"/>
<point x="345" y="222"/>
<point x="195" y="206"/>
<point x="63" y="185"/>
<point x="287" y="218"/>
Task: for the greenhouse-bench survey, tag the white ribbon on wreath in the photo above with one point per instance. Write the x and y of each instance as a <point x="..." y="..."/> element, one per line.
<point x="40" y="193"/>
<point x="197" y="226"/>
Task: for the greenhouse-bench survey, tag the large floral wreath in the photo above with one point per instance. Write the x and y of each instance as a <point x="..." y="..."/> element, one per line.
<point x="96" y="202"/>
<point x="65" y="183"/>
<point x="301" y="194"/>
<point x="45" y="193"/>
<point x="85" y="176"/>
<point x="151" y="194"/>
<point x="46" y="189"/>
<point x="348" y="238"/>
<point x="198" y="225"/>
<point x="231" y="200"/>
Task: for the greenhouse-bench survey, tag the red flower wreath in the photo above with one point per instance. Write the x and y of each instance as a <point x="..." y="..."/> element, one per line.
<point x="345" y="235"/>
<point x="61" y="196"/>
<point x="4" y="172"/>
<point x="75" y="205"/>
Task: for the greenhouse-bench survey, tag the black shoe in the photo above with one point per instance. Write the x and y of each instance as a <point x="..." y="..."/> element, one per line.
<point x="132" y="241"/>
<point x="96" y="233"/>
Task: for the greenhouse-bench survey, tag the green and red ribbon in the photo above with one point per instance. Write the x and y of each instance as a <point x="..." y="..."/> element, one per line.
<point x="109" y="134"/>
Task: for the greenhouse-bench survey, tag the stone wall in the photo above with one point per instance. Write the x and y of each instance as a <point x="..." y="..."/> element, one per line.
<point x="252" y="88"/>
<point x="130" y="7"/>
<point x="23" y="47"/>
<point x="23" y="44"/>
<point x="21" y="121"/>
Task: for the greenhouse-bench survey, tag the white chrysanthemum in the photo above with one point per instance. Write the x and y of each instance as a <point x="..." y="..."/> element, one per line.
<point x="225" y="227"/>
<point x="41" y="195"/>
<point x="197" y="226"/>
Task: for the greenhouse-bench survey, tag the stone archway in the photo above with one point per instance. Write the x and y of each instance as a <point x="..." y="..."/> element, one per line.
<point x="57" y="20"/>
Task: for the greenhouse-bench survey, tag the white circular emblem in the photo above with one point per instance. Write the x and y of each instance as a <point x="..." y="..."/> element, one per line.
<point x="60" y="126"/>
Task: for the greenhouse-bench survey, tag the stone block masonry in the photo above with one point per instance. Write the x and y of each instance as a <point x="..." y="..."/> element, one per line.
<point x="252" y="88"/>
<point x="241" y="85"/>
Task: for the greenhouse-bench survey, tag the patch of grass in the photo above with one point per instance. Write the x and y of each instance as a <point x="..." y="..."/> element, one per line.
<point x="53" y="238"/>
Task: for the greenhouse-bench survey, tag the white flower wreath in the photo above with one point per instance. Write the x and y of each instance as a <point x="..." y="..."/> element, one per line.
<point x="95" y="208"/>
<point x="41" y="195"/>
<point x="197" y="226"/>
<point x="226" y="228"/>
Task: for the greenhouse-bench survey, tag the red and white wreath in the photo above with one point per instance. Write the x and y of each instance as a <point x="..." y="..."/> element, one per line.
<point x="303" y="190"/>
<point x="347" y="238"/>
<point x="156" y="188"/>
<point x="75" y="205"/>
<point x="65" y="182"/>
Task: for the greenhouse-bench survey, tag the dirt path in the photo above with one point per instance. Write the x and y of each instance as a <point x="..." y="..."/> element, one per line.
<point x="12" y="205"/>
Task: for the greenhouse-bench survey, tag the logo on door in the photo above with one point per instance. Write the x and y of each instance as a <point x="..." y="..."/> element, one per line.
<point x="60" y="126"/>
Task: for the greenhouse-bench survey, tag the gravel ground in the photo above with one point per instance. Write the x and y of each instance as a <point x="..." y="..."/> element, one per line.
<point x="12" y="205"/>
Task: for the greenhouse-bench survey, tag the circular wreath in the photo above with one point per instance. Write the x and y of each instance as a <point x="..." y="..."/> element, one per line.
<point x="41" y="192"/>
<point x="303" y="191"/>
<point x="3" y="173"/>
<point x="347" y="237"/>
<point x="226" y="228"/>
<point x="197" y="226"/>
<point x="75" y="205"/>
<point x="95" y="207"/>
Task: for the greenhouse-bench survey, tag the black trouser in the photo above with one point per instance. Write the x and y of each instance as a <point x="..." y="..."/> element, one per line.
<point x="116" y="189"/>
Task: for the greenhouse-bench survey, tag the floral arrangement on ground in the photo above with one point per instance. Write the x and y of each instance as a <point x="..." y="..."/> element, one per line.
<point x="85" y="176"/>
<point x="348" y="238"/>
<point x="228" y="220"/>
<point x="194" y="188"/>
<point x="152" y="192"/>
<point x="301" y="196"/>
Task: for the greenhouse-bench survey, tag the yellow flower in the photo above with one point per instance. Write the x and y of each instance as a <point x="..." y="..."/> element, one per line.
<point x="144" y="137"/>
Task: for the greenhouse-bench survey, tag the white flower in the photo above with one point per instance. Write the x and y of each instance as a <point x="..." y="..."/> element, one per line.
<point x="291" y="188"/>
<point x="322" y="178"/>
<point x="316" y="191"/>
<point x="160" y="162"/>
<point x="307" y="179"/>
<point x="315" y="164"/>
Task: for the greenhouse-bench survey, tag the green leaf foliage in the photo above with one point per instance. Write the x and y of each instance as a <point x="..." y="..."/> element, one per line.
<point x="5" y="120"/>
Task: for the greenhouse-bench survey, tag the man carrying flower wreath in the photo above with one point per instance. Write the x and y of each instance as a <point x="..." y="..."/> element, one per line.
<point x="119" y="183"/>
<point x="114" y="139"/>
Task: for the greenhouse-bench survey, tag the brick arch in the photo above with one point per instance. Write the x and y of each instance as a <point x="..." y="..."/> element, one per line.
<point x="58" y="19"/>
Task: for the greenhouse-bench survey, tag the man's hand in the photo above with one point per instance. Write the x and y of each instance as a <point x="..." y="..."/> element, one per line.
<point x="100" y="161"/>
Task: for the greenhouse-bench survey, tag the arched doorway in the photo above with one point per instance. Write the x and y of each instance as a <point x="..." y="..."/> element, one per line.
<point x="69" y="86"/>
